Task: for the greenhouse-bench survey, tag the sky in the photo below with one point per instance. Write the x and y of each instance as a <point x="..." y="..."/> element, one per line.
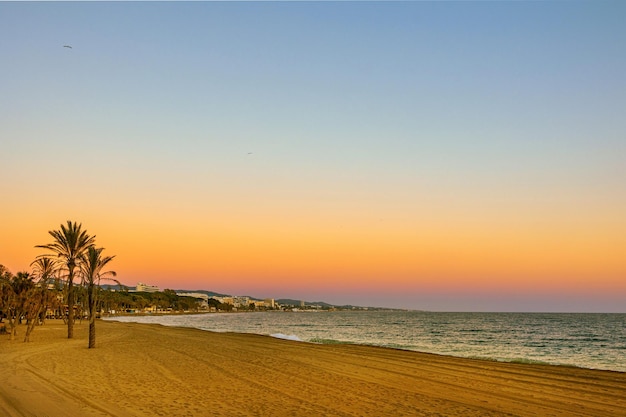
<point x="445" y="156"/>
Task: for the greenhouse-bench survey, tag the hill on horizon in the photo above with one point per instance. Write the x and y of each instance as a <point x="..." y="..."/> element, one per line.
<point x="281" y="301"/>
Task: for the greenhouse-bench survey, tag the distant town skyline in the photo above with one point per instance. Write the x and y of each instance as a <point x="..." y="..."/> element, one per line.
<point x="443" y="156"/>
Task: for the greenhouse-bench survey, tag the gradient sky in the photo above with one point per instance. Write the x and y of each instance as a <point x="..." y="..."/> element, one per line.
<point x="453" y="156"/>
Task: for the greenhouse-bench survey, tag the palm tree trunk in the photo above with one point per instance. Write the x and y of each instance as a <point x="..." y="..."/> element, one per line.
<point x="70" y="305"/>
<point x="30" y="327"/>
<point x="34" y="312"/>
<point x="92" y="333"/>
<point x="92" y="315"/>
<point x="12" y="325"/>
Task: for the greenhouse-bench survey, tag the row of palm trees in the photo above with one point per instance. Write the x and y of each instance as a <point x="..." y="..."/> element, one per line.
<point x="71" y="254"/>
<point x="23" y="295"/>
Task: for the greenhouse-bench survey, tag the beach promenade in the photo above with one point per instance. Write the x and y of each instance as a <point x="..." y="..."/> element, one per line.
<point x="150" y="370"/>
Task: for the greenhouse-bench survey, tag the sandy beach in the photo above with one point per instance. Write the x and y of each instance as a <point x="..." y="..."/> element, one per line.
<point x="148" y="370"/>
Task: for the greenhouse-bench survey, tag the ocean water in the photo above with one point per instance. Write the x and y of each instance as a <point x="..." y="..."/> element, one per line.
<point x="596" y="341"/>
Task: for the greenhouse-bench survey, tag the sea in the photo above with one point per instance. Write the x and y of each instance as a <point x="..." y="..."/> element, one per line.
<point x="595" y="341"/>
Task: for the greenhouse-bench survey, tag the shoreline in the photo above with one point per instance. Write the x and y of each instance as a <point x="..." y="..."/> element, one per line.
<point x="150" y="369"/>
<point x="521" y="361"/>
<point x="487" y="345"/>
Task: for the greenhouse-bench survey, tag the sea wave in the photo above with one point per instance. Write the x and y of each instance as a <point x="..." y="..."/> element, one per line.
<point x="323" y="341"/>
<point x="286" y="337"/>
<point x="528" y="361"/>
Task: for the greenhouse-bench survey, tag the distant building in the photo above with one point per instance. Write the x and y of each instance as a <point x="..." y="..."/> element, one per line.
<point x="203" y="299"/>
<point x="141" y="287"/>
<point x="194" y="295"/>
<point x="241" y="301"/>
<point x="269" y="303"/>
<point x="225" y="300"/>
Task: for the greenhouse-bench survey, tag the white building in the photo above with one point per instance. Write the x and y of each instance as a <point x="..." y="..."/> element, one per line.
<point x="141" y="287"/>
<point x="241" y="301"/>
<point x="203" y="299"/>
<point x="194" y="295"/>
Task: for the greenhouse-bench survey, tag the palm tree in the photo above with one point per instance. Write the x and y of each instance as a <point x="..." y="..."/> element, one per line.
<point x="44" y="269"/>
<point x="5" y="293"/>
<point x="70" y="243"/>
<point x="92" y="264"/>
<point x="17" y="290"/>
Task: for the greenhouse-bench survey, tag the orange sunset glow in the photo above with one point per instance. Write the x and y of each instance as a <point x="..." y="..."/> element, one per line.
<point x="395" y="162"/>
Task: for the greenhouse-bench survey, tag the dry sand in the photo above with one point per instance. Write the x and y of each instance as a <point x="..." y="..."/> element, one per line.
<point x="150" y="370"/>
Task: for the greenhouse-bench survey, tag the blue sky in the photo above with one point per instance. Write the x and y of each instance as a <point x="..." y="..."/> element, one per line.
<point x="416" y="121"/>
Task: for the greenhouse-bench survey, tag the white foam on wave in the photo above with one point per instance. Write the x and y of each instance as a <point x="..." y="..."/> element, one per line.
<point x="286" y="337"/>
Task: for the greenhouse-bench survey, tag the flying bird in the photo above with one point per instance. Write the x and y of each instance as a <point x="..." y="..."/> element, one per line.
<point x="67" y="46"/>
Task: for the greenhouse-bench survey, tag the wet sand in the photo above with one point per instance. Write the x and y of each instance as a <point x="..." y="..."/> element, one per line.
<point x="150" y="370"/>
